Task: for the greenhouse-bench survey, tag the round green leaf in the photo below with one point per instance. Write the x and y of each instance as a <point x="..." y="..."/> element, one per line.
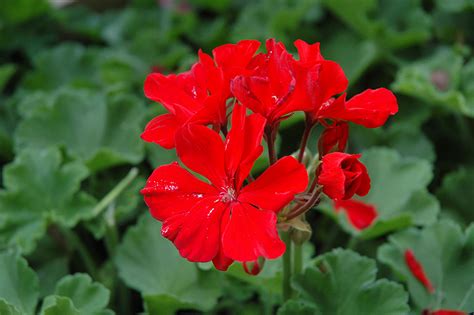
<point x="343" y="282"/>
<point x="40" y="188"/>
<point x="150" y="264"/>
<point x="19" y="286"/>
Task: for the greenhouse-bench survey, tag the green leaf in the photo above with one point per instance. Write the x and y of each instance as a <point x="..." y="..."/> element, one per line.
<point x="41" y="188"/>
<point x="456" y="194"/>
<point x="455" y="5"/>
<point x="357" y="60"/>
<point x="19" y="285"/>
<point x="76" y="66"/>
<point x="279" y="19"/>
<point x="6" y="71"/>
<point x="404" y="23"/>
<point x="21" y="10"/>
<point x="343" y="282"/>
<point x="164" y="304"/>
<point x="101" y="131"/>
<point x="86" y="296"/>
<point x="436" y="80"/>
<point x="396" y="24"/>
<point x="407" y="138"/>
<point x="447" y="257"/>
<point x="355" y="14"/>
<point x="51" y="272"/>
<point x="299" y="307"/>
<point x="398" y="191"/>
<point x="150" y="264"/>
<point x="58" y="305"/>
<point x="8" y="309"/>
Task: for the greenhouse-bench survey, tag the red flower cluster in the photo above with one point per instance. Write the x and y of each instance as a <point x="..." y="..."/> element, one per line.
<point x="231" y="216"/>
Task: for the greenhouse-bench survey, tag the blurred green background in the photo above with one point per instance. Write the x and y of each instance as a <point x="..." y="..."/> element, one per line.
<point x="72" y="109"/>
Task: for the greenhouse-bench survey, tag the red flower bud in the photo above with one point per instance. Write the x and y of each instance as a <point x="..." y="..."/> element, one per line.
<point x="417" y="270"/>
<point x="254" y="267"/>
<point x="342" y="175"/>
<point x="333" y="138"/>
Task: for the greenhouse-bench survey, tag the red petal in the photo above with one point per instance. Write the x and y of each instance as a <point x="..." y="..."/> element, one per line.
<point x="202" y="150"/>
<point x="361" y="215"/>
<point x="171" y="189"/>
<point x="332" y="80"/>
<point x="308" y="53"/>
<point x="417" y="270"/>
<point x="251" y="233"/>
<point x="234" y="58"/>
<point x="447" y="312"/>
<point x="221" y="261"/>
<point x="196" y="232"/>
<point x="277" y="186"/>
<point x="370" y="108"/>
<point x="161" y="130"/>
<point x="243" y="144"/>
<point x="172" y="91"/>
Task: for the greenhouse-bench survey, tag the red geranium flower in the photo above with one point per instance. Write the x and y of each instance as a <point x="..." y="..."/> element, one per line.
<point x="360" y="214"/>
<point x="342" y="175"/>
<point x="267" y="89"/>
<point x="333" y="138"/>
<point x="321" y="80"/>
<point x="223" y="220"/>
<point x="196" y="96"/>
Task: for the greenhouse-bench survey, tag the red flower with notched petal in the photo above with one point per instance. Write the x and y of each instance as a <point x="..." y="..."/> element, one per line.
<point x="333" y="138"/>
<point x="267" y="89"/>
<point x="317" y="79"/>
<point x="223" y="220"/>
<point x="195" y="96"/>
<point x="360" y="214"/>
<point x="342" y="175"/>
<point x="199" y="95"/>
<point x="417" y="270"/>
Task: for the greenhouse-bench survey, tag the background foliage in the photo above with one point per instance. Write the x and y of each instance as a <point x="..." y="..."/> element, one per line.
<point x="75" y="237"/>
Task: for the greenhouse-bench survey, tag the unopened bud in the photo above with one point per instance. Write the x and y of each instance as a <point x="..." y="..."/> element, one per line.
<point x="254" y="267"/>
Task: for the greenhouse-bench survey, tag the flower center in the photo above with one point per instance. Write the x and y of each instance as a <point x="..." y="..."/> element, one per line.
<point x="228" y="195"/>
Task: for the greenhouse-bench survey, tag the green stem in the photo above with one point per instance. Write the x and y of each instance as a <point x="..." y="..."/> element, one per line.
<point x="76" y="244"/>
<point x="353" y="241"/>
<point x="115" y="192"/>
<point x="111" y="232"/>
<point x="270" y="137"/>
<point x="307" y="131"/>
<point x="297" y="259"/>
<point x="287" y="291"/>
